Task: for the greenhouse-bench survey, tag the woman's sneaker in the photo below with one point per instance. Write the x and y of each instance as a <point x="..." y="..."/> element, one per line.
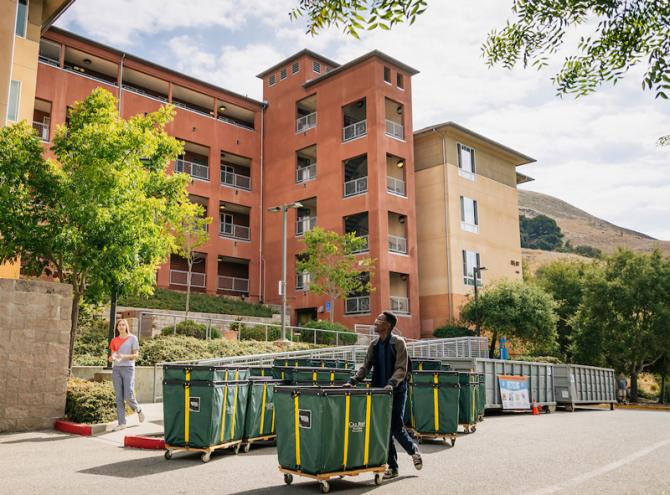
<point x="140" y="415"/>
<point x="120" y="427"/>
<point x="390" y="474"/>
<point x="418" y="462"/>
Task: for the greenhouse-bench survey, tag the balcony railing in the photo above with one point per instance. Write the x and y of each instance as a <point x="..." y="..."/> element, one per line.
<point x="395" y="186"/>
<point x="395" y="130"/>
<point x="42" y="130"/>
<point x="354" y="131"/>
<point x="302" y="281"/>
<point x="364" y="248"/>
<point x="304" y="224"/>
<point x="305" y="122"/>
<point x="397" y="244"/>
<point x="48" y="60"/>
<point x="356" y="186"/>
<point x="236" y="123"/>
<point x="143" y="92"/>
<point x="192" y="108"/>
<point x="180" y="277"/>
<point x="237" y="181"/>
<point x="195" y="170"/>
<point x="234" y="231"/>
<point x="303" y="174"/>
<point x="87" y="75"/>
<point x="233" y="284"/>
<point x="357" y="305"/>
<point x="400" y="305"/>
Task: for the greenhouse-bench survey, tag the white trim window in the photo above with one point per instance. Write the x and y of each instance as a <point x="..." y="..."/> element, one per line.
<point x="21" y="28"/>
<point x="14" y="99"/>
<point x="469" y="215"/>
<point x="283" y="74"/>
<point x="387" y="75"/>
<point x="316" y="67"/>
<point x="272" y="80"/>
<point x="295" y="68"/>
<point x="470" y="262"/>
<point x="466" y="162"/>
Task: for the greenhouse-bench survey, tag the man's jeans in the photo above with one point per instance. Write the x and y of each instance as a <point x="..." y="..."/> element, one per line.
<point x="398" y="430"/>
<point x="123" y="378"/>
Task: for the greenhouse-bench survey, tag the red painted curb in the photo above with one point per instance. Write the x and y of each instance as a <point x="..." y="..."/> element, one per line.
<point x="140" y="442"/>
<point x="73" y="428"/>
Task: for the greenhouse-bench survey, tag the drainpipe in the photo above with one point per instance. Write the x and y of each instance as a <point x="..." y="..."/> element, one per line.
<point x="261" y="261"/>
<point x="120" y="83"/>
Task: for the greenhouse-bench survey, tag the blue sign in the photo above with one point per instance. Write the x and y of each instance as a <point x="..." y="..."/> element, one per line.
<point x="514" y="392"/>
<point x="504" y="351"/>
<point x="328" y="306"/>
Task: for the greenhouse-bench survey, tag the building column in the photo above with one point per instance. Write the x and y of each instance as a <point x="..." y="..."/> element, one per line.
<point x="212" y="273"/>
<point x="163" y="275"/>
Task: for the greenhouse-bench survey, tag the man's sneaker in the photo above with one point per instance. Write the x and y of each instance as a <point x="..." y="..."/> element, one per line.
<point x="120" y="427"/>
<point x="140" y="415"/>
<point x="418" y="463"/>
<point x="389" y="474"/>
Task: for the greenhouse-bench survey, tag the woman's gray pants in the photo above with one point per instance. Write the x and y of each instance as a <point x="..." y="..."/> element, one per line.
<point x="123" y="378"/>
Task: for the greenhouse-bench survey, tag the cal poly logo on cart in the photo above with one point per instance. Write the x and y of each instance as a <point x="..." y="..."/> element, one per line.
<point x="356" y="426"/>
<point x="305" y="418"/>
<point x="194" y="404"/>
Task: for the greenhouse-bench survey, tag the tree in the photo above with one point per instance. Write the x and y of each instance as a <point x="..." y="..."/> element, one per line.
<point x="540" y="232"/>
<point x="563" y="280"/>
<point x="190" y="234"/>
<point x="624" y="318"/>
<point x="516" y="310"/>
<point x="334" y="268"/>
<point x="102" y="216"/>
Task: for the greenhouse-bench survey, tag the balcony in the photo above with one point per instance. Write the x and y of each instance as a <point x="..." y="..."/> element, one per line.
<point x="42" y="129"/>
<point x="233" y="284"/>
<point x="355" y="130"/>
<point x="303" y="224"/>
<point x="395" y="130"/>
<point x="354" y="120"/>
<point x="304" y="174"/>
<point x="357" y="305"/>
<point x="234" y="231"/>
<point x="237" y="181"/>
<point x="399" y="286"/>
<point x="365" y="247"/>
<point x="395" y="186"/>
<point x="394" y="112"/>
<point x="180" y="277"/>
<point x="355" y="187"/>
<point x="400" y="305"/>
<point x="49" y="53"/>
<point x="302" y="281"/>
<point x="196" y="170"/>
<point x="305" y="114"/>
<point x="306" y="122"/>
<point x="397" y="244"/>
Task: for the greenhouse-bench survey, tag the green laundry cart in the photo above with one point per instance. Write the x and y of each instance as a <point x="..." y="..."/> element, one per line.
<point x="326" y="432"/>
<point x="467" y="414"/>
<point x="426" y="364"/>
<point x="201" y="372"/>
<point x="259" y="425"/>
<point x="306" y="375"/>
<point x="203" y="415"/>
<point x="262" y="371"/>
<point x="434" y="405"/>
<point x="332" y="363"/>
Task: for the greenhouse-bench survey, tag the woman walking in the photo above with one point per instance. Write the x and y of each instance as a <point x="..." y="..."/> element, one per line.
<point x="125" y="349"/>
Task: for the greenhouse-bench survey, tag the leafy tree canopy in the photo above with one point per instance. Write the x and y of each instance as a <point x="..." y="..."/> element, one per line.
<point x="540" y="232"/>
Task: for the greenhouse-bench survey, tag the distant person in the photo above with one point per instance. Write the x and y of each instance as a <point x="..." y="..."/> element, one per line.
<point x="125" y="349"/>
<point x="387" y="358"/>
<point x="621" y="388"/>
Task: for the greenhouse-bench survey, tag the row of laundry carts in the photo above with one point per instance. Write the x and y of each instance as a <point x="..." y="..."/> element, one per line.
<point x="550" y="385"/>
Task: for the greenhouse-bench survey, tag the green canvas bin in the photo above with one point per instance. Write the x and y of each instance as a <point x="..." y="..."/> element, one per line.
<point x="446" y="367"/>
<point x="312" y="375"/>
<point x="434" y="405"/>
<point x="260" y="413"/>
<point x="203" y="414"/>
<point x="467" y="414"/>
<point x="332" y="429"/>
<point x="262" y="371"/>
<point x="292" y="362"/>
<point x="426" y="364"/>
<point x="332" y="363"/>
<point x="199" y="372"/>
<point x="407" y="413"/>
<point x="481" y="395"/>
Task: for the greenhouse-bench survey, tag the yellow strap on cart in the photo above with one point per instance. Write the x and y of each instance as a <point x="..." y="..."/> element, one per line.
<point x="223" y="412"/>
<point x="366" y="451"/>
<point x="314" y="377"/>
<point x="420" y="365"/>
<point x="332" y="376"/>
<point x="232" y="426"/>
<point x="187" y="403"/>
<point x="436" y="404"/>
<point x="265" y="390"/>
<point x="347" y="402"/>
<point x="296" y="405"/>
<point x="273" y="420"/>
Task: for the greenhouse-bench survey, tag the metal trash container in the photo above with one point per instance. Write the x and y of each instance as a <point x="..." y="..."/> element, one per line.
<point x="467" y="411"/>
<point x="260" y="414"/>
<point x="324" y="432"/>
<point x="434" y="405"/>
<point x="576" y="384"/>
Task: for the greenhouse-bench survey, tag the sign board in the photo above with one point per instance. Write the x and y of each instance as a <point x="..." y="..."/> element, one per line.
<point x="328" y="307"/>
<point x="281" y="292"/>
<point x="514" y="392"/>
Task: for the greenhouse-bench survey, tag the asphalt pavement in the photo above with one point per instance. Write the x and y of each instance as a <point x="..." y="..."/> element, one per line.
<point x="590" y="451"/>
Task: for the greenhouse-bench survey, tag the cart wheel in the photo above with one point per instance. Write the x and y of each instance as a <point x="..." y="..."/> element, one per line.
<point x="453" y="441"/>
<point x="378" y="479"/>
<point x="466" y="429"/>
<point x="325" y="487"/>
<point x="246" y="448"/>
<point x="419" y="440"/>
<point x="206" y="456"/>
<point x="168" y="454"/>
<point x="473" y="428"/>
<point x="444" y="439"/>
<point x="236" y="449"/>
<point x="570" y="408"/>
<point x="288" y="478"/>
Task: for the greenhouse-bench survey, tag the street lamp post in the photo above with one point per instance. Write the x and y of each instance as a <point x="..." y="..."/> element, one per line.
<point x="477" y="273"/>
<point x="284" y="210"/>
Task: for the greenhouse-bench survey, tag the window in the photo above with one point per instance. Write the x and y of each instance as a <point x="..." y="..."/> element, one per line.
<point x="295" y="68"/>
<point x="283" y="74"/>
<point x="272" y="80"/>
<point x="13" y="104"/>
<point x="227" y="226"/>
<point x="400" y="82"/>
<point x="316" y="67"/>
<point x="22" y="18"/>
<point x="470" y="262"/>
<point x="466" y="162"/>
<point x="469" y="215"/>
<point x="387" y="75"/>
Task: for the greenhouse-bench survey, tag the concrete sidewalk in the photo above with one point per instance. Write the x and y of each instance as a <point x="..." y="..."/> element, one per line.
<point x="152" y="426"/>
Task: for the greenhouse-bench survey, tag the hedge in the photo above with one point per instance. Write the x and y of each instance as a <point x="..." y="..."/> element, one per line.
<point x="90" y="402"/>
<point x="258" y="332"/>
<point x="190" y="328"/>
<point x="451" y="331"/>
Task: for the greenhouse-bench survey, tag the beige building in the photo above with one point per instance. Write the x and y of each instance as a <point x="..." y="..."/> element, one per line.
<point x="467" y="216"/>
<point x="22" y="23"/>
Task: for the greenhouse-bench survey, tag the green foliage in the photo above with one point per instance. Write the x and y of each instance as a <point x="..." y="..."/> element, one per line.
<point x="516" y="310"/>
<point x="450" y="331"/>
<point x="625" y="33"/>
<point x="90" y="402"/>
<point x="190" y="328"/>
<point x="357" y="15"/>
<point x="588" y="251"/>
<point x="540" y="232"/>
<point x="90" y="346"/>
<point x="335" y="270"/>
<point x="204" y="303"/>
<point x="346" y="338"/>
<point x="258" y="332"/>
<point x="539" y="359"/>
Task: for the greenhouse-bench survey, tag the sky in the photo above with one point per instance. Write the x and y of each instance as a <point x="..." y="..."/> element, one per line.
<point x="598" y="152"/>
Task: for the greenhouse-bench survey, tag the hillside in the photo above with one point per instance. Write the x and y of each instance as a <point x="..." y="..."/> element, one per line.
<point x="581" y="228"/>
<point x="535" y="258"/>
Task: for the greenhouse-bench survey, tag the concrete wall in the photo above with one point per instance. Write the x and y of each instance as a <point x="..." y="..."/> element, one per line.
<point x="34" y="345"/>
<point x="144" y="380"/>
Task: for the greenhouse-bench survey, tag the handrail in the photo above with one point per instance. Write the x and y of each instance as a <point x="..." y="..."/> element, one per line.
<point x="395" y="186"/>
<point x="233" y="284"/>
<point x="303" y="174"/>
<point x="356" y="186"/>
<point x="195" y="170"/>
<point x="42" y="129"/>
<point x="305" y="122"/>
<point x="397" y="244"/>
<point x="234" y="231"/>
<point x="180" y="277"/>
<point x="400" y="305"/>
<point x="236" y="180"/>
<point x="355" y="130"/>
<point x="395" y="130"/>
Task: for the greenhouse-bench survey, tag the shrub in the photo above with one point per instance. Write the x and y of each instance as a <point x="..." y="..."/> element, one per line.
<point x="90" y="402"/>
<point x="449" y="331"/>
<point x="190" y="328"/>
<point x="539" y="359"/>
<point x="307" y="335"/>
<point x="90" y="344"/>
<point x="257" y="332"/>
